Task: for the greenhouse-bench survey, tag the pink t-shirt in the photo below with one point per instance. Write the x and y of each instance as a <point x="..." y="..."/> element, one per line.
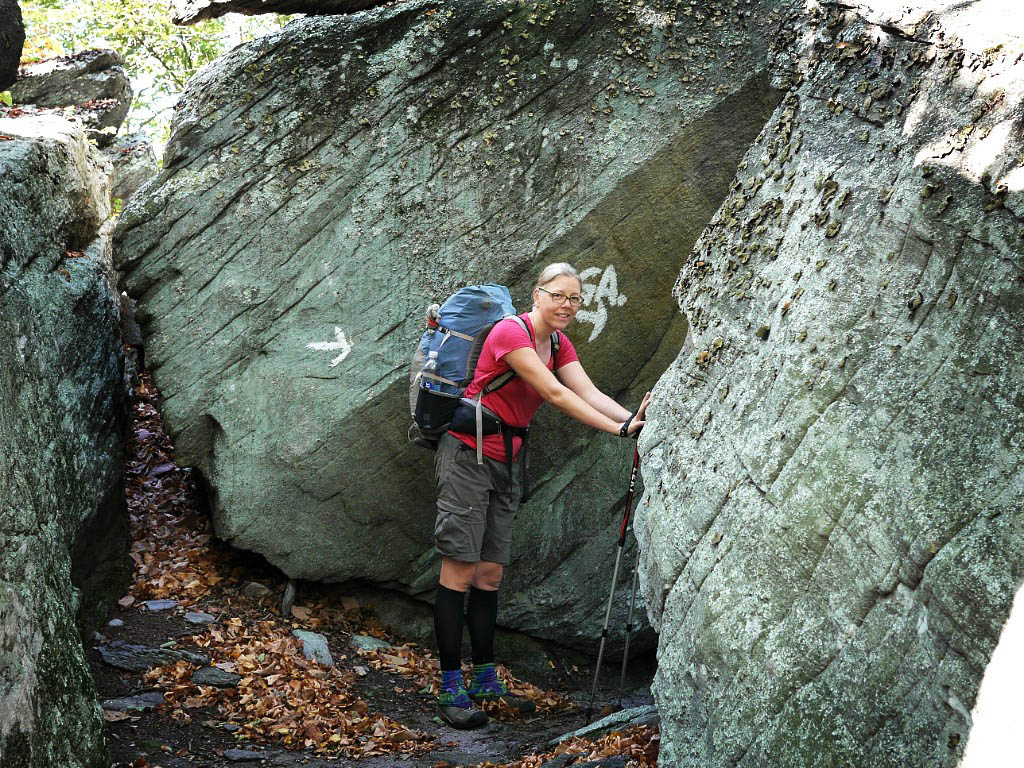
<point x="516" y="402"/>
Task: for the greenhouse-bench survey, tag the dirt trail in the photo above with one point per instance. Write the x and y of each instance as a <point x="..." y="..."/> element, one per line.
<point x="264" y="702"/>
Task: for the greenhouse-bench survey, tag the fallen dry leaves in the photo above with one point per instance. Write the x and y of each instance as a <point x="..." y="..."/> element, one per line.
<point x="638" y="745"/>
<point x="170" y="540"/>
<point x="282" y="697"/>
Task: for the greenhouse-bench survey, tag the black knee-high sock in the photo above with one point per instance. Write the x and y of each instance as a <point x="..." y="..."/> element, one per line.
<point x="448" y="607"/>
<point x="481" y="616"/>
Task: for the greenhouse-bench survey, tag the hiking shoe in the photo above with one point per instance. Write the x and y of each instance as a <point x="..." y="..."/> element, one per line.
<point x="486" y="686"/>
<point x="456" y="709"/>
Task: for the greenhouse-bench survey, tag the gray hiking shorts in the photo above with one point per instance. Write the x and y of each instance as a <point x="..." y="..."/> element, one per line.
<point x="475" y="504"/>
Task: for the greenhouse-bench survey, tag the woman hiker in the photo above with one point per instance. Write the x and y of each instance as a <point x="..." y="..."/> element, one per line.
<point x="477" y="503"/>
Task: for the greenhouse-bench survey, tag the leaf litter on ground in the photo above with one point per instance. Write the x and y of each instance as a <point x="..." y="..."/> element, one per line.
<point x="282" y="698"/>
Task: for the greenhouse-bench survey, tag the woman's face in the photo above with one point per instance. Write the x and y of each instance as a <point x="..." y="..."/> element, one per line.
<point x="557" y="311"/>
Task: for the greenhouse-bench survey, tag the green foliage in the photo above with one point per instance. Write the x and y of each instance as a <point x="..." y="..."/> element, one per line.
<point x="159" y="56"/>
<point x="5" y="98"/>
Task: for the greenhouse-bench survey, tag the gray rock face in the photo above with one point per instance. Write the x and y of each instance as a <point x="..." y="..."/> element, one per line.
<point x="323" y="185"/>
<point x="134" y="163"/>
<point x="832" y="533"/>
<point x="94" y="82"/>
<point x="63" y="531"/>
<point x="192" y="11"/>
<point x="12" y="39"/>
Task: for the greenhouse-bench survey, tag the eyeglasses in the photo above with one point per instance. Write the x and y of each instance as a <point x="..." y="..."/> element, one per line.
<point x="560" y="298"/>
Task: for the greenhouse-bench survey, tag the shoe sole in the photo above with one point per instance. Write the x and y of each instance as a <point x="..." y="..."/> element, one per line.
<point x="468" y="724"/>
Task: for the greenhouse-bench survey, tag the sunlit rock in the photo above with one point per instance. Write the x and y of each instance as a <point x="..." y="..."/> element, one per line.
<point x="192" y="11"/>
<point x="832" y="529"/>
<point x="94" y="83"/>
<point x="325" y="184"/>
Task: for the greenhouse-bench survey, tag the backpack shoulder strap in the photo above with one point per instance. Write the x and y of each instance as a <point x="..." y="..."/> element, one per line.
<point x="524" y="326"/>
<point x="556" y="342"/>
<point x="504" y="378"/>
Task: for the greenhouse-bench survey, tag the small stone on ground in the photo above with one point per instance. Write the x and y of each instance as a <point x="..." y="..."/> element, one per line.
<point x="198" y="617"/>
<point x="563" y="760"/>
<point x="148" y="700"/>
<point x="160" y="605"/>
<point x="369" y="643"/>
<point x="314" y="647"/>
<point x="215" y="677"/>
<point x="255" y="589"/>
<point x="615" y="761"/>
<point x="243" y="755"/>
<point x="455" y="757"/>
<point x="626" y="718"/>
<point x="139" y="658"/>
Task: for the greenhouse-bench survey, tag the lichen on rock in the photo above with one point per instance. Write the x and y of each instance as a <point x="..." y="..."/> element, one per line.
<point x="62" y="520"/>
<point x="831" y="533"/>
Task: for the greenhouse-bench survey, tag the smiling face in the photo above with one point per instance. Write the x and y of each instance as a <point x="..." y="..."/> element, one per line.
<point x="556" y="315"/>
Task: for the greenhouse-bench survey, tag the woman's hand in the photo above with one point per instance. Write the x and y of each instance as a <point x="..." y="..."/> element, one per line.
<point x="636" y="423"/>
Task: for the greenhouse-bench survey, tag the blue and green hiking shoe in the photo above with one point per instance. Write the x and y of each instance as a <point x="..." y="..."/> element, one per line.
<point x="454" y="705"/>
<point x="486" y="686"/>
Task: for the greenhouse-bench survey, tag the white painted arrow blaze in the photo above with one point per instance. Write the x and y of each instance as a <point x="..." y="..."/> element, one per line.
<point x="329" y="346"/>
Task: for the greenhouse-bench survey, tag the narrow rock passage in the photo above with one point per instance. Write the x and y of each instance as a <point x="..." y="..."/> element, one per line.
<point x="198" y="667"/>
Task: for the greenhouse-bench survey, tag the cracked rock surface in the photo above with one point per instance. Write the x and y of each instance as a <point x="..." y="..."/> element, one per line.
<point x="63" y="534"/>
<point x="323" y="185"/>
<point x="134" y="162"/>
<point x="831" y="531"/>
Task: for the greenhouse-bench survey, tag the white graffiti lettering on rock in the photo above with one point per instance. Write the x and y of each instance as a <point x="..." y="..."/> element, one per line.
<point x="598" y="298"/>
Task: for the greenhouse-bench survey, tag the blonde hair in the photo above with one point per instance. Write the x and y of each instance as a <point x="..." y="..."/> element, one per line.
<point x="559" y="268"/>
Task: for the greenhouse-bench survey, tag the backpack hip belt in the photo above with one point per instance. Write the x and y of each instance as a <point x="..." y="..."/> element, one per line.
<point x="472" y="416"/>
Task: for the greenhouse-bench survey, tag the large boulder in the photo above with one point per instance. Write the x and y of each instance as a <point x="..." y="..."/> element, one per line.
<point x="12" y="39"/>
<point x="63" y="527"/>
<point x="831" y="532"/>
<point x="193" y="11"/>
<point x="93" y="82"/>
<point x="324" y="184"/>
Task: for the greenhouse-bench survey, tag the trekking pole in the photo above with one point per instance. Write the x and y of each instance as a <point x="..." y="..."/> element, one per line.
<point x="615" y="576"/>
<point x="629" y="627"/>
